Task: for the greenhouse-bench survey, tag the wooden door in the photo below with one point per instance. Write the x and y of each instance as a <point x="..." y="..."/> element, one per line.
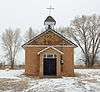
<point x="49" y="66"/>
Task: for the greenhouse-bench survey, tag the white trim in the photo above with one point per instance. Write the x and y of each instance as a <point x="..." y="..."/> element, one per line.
<point x="46" y="55"/>
<point x="48" y="48"/>
<point x="48" y="45"/>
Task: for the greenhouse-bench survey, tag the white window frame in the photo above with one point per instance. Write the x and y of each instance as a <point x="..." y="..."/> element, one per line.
<point x="46" y="55"/>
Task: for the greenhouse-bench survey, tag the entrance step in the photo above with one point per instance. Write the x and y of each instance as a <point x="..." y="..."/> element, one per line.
<point x="47" y="76"/>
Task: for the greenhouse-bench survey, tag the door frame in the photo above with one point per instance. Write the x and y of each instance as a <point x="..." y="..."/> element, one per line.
<point x="58" y="66"/>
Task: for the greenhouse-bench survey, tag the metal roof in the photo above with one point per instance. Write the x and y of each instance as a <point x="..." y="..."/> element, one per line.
<point x="50" y="19"/>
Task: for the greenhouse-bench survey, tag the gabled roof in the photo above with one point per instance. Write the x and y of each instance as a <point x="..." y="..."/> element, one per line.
<point x="49" y="19"/>
<point x="48" y="48"/>
<point x="50" y="30"/>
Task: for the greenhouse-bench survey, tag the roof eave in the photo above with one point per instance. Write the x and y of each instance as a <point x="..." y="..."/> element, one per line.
<point x="74" y="45"/>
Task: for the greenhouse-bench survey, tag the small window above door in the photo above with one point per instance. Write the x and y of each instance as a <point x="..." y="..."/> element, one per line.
<point x="50" y="56"/>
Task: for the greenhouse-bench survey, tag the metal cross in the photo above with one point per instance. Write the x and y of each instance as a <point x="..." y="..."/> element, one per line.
<point x="50" y="8"/>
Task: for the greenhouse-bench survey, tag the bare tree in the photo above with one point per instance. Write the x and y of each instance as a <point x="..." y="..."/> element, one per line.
<point x="64" y="31"/>
<point x="29" y="34"/>
<point x="85" y="31"/>
<point x="11" y="43"/>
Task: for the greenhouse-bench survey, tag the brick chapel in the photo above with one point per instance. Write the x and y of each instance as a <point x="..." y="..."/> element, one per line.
<point x="49" y="53"/>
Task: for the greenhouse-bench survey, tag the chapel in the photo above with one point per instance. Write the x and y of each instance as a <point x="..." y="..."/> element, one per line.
<point x="49" y="53"/>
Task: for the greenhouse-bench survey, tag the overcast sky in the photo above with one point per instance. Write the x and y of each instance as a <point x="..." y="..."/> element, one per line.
<point x="25" y="13"/>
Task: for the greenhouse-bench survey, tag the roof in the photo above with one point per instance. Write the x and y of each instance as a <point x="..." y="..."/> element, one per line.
<point x="48" y="48"/>
<point x="50" y="30"/>
<point x="49" y="19"/>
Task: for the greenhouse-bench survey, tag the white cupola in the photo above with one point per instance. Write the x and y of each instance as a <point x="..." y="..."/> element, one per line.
<point x="49" y="22"/>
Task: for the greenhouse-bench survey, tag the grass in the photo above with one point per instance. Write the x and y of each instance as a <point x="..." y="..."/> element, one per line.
<point x="12" y="84"/>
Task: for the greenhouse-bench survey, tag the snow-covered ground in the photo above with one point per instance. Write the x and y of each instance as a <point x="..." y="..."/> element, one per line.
<point x="87" y="80"/>
<point x="10" y="73"/>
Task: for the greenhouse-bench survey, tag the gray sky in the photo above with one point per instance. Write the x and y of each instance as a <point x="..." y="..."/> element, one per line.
<point x="25" y="13"/>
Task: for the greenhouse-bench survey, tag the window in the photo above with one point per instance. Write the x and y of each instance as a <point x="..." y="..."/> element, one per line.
<point x="50" y="56"/>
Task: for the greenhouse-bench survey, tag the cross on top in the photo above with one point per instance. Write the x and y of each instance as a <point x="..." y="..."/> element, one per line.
<point x="50" y="8"/>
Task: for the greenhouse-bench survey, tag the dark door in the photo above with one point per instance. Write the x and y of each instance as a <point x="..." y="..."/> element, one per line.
<point x="49" y="66"/>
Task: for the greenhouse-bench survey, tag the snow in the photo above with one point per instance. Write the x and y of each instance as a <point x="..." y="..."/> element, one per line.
<point x="87" y="80"/>
<point x="10" y="73"/>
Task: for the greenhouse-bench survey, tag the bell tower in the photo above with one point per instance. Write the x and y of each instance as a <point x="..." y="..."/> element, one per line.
<point x="49" y="21"/>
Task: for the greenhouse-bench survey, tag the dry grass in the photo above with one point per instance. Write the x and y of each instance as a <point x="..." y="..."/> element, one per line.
<point x="13" y="84"/>
<point x="96" y="66"/>
<point x="77" y="74"/>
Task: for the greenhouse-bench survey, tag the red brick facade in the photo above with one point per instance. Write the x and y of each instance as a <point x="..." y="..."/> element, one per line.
<point x="58" y="46"/>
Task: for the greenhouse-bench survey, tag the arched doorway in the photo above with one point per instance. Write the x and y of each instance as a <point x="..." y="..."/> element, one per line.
<point x="49" y="64"/>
